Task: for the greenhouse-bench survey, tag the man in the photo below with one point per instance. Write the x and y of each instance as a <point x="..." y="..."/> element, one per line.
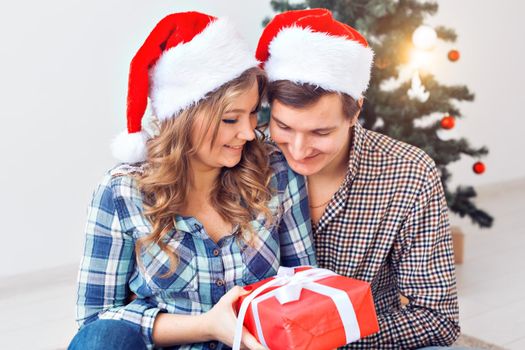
<point x="377" y="204"/>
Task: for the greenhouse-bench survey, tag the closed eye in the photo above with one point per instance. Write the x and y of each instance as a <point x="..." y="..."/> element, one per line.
<point x="229" y="121"/>
<point x="322" y="133"/>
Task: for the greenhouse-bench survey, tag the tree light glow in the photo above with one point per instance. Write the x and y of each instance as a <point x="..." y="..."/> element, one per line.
<point x="424" y="38"/>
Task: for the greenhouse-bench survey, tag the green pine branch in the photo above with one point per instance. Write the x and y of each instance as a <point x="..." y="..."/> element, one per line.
<point x="388" y="26"/>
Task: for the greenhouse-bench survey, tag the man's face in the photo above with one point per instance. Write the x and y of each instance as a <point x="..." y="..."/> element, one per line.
<point x="312" y="138"/>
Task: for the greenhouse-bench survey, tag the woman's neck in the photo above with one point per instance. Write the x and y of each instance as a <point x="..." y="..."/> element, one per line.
<point x="204" y="179"/>
<point x="201" y="186"/>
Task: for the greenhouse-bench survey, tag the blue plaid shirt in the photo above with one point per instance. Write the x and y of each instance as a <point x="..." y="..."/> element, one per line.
<point x="206" y="270"/>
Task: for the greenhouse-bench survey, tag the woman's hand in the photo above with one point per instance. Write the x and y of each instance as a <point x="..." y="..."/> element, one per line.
<point x="221" y="321"/>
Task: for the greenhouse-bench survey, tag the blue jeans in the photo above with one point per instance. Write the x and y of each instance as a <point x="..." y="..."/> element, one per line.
<point x="108" y="335"/>
<point x="122" y="335"/>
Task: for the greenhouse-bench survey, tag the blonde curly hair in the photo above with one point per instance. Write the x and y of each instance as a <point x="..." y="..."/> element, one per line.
<point x="240" y="193"/>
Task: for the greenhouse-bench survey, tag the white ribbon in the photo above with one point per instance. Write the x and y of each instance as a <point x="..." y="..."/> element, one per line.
<point x="290" y="286"/>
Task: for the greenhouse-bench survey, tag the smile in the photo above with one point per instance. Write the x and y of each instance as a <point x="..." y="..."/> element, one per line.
<point x="235" y="148"/>
<point x="306" y="159"/>
<point x="310" y="157"/>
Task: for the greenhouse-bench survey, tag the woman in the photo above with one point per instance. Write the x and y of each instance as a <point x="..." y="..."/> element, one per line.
<point x="197" y="208"/>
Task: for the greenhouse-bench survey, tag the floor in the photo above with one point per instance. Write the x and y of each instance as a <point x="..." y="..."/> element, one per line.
<point x="41" y="316"/>
<point x="491" y="281"/>
<point x="491" y="285"/>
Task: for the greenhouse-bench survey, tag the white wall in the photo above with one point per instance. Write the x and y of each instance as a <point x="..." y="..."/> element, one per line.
<point x="63" y="77"/>
<point x="490" y="39"/>
<point x="63" y="74"/>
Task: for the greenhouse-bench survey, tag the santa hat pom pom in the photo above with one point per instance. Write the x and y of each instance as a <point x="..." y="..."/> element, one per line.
<point x="130" y="148"/>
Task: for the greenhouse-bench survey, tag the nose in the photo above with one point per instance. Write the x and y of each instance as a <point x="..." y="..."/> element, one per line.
<point x="246" y="129"/>
<point x="298" y="147"/>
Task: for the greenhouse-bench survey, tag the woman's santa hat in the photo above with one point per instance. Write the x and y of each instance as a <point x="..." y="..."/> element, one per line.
<point x="310" y="46"/>
<point x="186" y="56"/>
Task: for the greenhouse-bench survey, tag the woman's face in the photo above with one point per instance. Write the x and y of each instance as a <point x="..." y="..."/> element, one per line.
<point x="237" y="126"/>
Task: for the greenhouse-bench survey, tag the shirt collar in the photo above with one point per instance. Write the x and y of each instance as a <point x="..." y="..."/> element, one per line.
<point x="364" y="158"/>
<point x="191" y="225"/>
<point x="358" y="134"/>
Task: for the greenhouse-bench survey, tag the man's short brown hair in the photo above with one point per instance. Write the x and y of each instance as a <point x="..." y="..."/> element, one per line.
<point x="303" y="95"/>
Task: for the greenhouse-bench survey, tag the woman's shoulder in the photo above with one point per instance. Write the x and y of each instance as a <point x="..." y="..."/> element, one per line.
<point x="277" y="159"/>
<point x="127" y="170"/>
<point x="118" y="195"/>
<point x="282" y="173"/>
<point x="121" y="180"/>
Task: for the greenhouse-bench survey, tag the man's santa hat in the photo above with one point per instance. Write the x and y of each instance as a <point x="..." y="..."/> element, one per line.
<point x="186" y="56"/>
<point x="310" y="46"/>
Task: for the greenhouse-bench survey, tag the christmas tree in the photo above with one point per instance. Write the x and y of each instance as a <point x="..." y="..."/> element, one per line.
<point x="390" y="26"/>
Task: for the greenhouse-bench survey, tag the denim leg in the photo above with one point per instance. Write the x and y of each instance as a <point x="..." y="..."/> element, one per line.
<point x="108" y="335"/>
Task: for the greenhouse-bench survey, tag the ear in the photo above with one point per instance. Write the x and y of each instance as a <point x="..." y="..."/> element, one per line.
<point x="360" y="102"/>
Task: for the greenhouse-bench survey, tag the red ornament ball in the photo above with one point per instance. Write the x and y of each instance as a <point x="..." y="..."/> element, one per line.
<point x="448" y="122"/>
<point x="453" y="55"/>
<point x="478" y="168"/>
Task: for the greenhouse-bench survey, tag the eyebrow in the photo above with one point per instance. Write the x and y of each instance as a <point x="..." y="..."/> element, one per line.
<point x="315" y="130"/>
<point x="240" y="110"/>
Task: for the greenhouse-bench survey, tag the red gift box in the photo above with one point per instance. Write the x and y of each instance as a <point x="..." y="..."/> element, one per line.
<point x="307" y="308"/>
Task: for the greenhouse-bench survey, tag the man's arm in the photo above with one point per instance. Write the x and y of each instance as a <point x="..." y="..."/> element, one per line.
<point x="422" y="260"/>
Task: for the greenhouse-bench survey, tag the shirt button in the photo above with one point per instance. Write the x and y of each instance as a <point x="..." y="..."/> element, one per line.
<point x="219" y="282"/>
<point x="216" y="252"/>
<point x="213" y="346"/>
<point x="197" y="227"/>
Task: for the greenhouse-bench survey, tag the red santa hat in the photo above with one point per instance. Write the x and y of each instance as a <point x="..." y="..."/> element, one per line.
<point x="186" y="56"/>
<point x="310" y="46"/>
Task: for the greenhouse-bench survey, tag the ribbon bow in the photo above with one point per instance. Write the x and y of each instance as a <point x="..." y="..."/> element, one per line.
<point x="290" y="286"/>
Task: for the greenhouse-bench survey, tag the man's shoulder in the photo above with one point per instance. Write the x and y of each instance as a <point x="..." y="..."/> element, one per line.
<point x="397" y="153"/>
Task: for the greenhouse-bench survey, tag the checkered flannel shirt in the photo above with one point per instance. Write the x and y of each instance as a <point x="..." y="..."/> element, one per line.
<point x="388" y="225"/>
<point x="108" y="271"/>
